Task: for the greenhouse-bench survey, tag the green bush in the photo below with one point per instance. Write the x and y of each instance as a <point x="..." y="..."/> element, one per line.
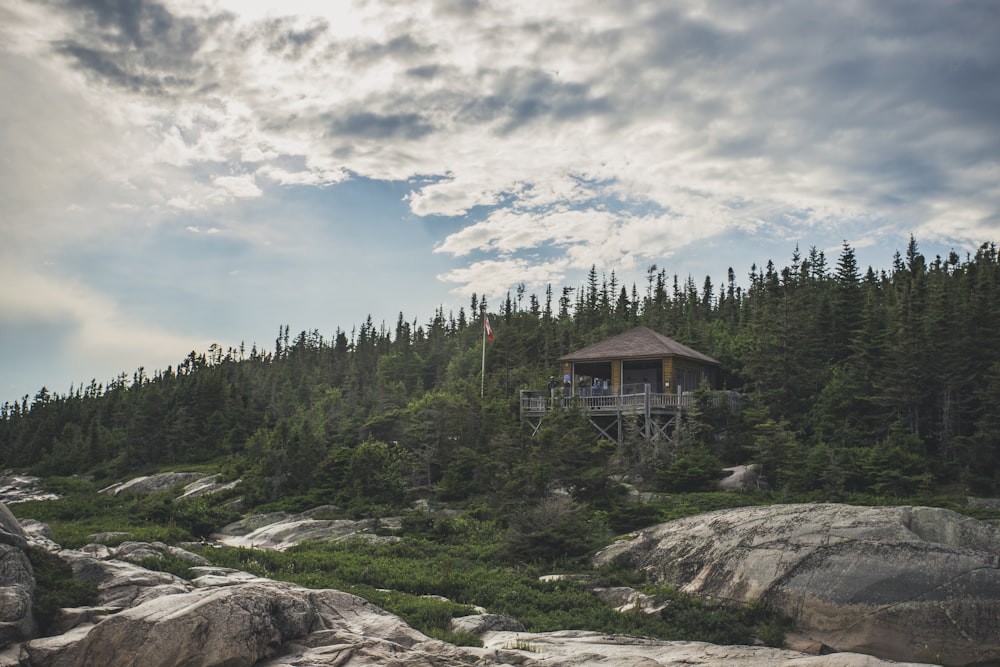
<point x="556" y="529"/>
<point x="720" y="624"/>
<point x="474" y="569"/>
<point x="55" y="588"/>
<point x="168" y="563"/>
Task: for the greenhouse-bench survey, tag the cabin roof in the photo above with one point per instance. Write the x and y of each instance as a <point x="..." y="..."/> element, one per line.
<point x="641" y="342"/>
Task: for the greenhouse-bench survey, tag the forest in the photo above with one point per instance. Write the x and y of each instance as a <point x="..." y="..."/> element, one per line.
<point x="852" y="381"/>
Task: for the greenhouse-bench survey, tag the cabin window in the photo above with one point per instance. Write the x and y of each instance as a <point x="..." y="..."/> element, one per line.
<point x="638" y="372"/>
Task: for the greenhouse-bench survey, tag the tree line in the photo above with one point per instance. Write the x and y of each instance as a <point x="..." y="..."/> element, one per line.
<point x="881" y="382"/>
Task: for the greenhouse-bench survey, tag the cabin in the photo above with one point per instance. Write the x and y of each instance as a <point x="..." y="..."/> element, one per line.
<point x="640" y="374"/>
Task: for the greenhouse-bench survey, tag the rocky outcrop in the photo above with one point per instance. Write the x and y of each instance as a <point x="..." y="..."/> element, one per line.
<point x="479" y="624"/>
<point x="228" y="618"/>
<point x="626" y="598"/>
<point x="206" y="486"/>
<point x="121" y="584"/>
<point x="136" y="552"/>
<point x="911" y="583"/>
<point x="21" y="488"/>
<point x="279" y="531"/>
<point x="224" y="617"/>
<point x="17" y="582"/>
<point x="575" y="648"/>
<point x="743" y="479"/>
<point x="149" y="484"/>
<point x="270" y="624"/>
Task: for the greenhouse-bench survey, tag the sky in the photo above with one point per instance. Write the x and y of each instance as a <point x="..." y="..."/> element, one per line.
<point x="181" y="173"/>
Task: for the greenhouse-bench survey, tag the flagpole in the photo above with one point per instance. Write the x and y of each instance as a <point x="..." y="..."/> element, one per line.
<point x="482" y="375"/>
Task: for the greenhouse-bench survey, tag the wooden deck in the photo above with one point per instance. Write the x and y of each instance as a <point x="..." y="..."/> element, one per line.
<point x="537" y="403"/>
<point x="656" y="412"/>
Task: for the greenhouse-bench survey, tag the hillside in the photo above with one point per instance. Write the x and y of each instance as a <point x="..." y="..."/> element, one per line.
<point x="875" y="383"/>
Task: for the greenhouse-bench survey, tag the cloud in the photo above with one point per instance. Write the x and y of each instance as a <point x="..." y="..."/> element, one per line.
<point x="93" y="327"/>
<point x="584" y="131"/>
<point x="483" y="276"/>
<point x="238" y="186"/>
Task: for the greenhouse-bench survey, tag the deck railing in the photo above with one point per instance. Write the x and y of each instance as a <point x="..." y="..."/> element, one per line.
<point x="628" y="400"/>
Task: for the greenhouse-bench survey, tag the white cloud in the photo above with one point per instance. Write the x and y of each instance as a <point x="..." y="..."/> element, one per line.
<point x="238" y="186"/>
<point x="598" y="133"/>
<point x="484" y="277"/>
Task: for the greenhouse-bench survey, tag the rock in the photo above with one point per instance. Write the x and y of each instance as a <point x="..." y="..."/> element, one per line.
<point x="575" y="648"/>
<point x="244" y="624"/>
<point x="120" y="584"/>
<point x="279" y="531"/>
<point x="249" y="524"/>
<point x="220" y="626"/>
<point x="478" y="624"/>
<point x="38" y="535"/>
<point x="986" y="503"/>
<point x="623" y="599"/>
<point x="150" y="484"/>
<point x="578" y="578"/>
<point x="207" y="576"/>
<point x="136" y="552"/>
<point x="69" y="618"/>
<point x="17" y="582"/>
<point x="45" y="651"/>
<point x="742" y="479"/>
<point x="11" y="532"/>
<point x="227" y="617"/>
<point x="907" y="583"/>
<point x="98" y="551"/>
<point x="109" y="536"/>
<point x="22" y="488"/>
<point x="204" y="487"/>
<point x="634" y="495"/>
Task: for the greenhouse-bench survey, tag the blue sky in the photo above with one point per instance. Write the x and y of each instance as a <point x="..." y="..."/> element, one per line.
<point x="178" y="173"/>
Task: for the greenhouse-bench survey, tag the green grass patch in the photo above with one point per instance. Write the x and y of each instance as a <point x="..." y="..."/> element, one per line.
<point x="78" y="515"/>
<point x="470" y="574"/>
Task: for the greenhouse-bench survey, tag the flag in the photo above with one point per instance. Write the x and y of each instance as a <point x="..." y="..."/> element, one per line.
<point x="489" y="329"/>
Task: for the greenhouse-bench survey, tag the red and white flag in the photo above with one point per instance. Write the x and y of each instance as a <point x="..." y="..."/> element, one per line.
<point x="489" y="329"/>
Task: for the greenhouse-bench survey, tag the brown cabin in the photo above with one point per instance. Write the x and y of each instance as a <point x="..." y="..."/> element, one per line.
<point x="638" y="357"/>
<point x="639" y="374"/>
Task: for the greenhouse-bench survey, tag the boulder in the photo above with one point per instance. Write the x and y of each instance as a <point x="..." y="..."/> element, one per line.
<point x="743" y="479"/>
<point x="136" y="552"/>
<point x="150" y="484"/>
<point x="204" y="487"/>
<point x="208" y="576"/>
<point x="109" y="537"/>
<point x="22" y="488"/>
<point x="279" y="531"/>
<point x="625" y="598"/>
<point x="121" y="584"/>
<point x="220" y="626"/>
<point x="38" y="534"/>
<point x="478" y="624"/>
<point x="907" y="583"/>
<point x="17" y="582"/>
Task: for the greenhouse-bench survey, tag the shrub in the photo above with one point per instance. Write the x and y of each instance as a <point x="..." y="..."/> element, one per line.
<point x="55" y="588"/>
<point x="556" y="529"/>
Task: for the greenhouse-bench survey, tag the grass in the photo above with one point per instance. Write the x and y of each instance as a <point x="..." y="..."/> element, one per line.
<point x="82" y="512"/>
<point x="465" y="558"/>
<point x="471" y="571"/>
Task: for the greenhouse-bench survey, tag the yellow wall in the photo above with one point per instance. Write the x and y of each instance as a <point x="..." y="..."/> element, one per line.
<point x="670" y="367"/>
